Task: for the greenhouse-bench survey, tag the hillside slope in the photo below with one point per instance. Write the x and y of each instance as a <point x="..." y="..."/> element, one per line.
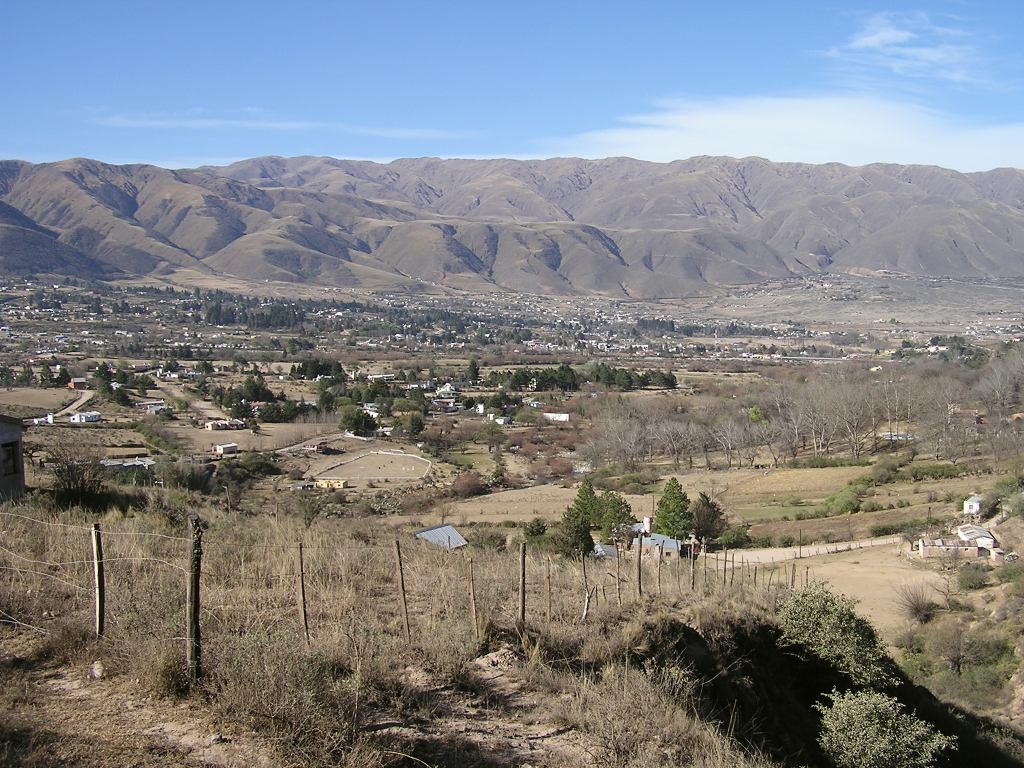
<point x="615" y="227"/>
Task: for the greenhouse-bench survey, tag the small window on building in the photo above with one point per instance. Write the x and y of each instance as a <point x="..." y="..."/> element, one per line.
<point x="11" y="459"/>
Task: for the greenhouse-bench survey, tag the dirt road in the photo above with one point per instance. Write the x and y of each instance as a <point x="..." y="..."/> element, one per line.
<point x="781" y="554"/>
<point x="83" y="398"/>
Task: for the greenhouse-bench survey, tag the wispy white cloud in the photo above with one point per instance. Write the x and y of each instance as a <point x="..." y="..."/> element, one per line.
<point x="913" y="45"/>
<point x="852" y="129"/>
<point x="252" y="119"/>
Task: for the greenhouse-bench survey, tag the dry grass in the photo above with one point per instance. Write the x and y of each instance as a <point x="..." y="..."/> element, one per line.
<point x="318" y="701"/>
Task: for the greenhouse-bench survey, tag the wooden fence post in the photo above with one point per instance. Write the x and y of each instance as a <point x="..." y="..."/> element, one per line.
<point x="302" y="595"/>
<point x="101" y="587"/>
<point x="618" y="581"/>
<point x="549" y="592"/>
<point x="639" y="566"/>
<point x="401" y="590"/>
<point x="704" y="556"/>
<point x="679" y="556"/>
<point x="193" y="636"/>
<point x="472" y="598"/>
<point x="521" y="621"/>
<point x="660" y="558"/>
<point x="693" y="568"/>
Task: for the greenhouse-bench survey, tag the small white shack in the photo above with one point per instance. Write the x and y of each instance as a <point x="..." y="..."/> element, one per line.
<point x="972" y="506"/>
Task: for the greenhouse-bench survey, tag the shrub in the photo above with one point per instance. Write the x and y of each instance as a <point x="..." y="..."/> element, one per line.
<point x="867" y="729"/>
<point x="916" y="601"/>
<point x="468" y="484"/>
<point x="935" y="471"/>
<point x="827" y="624"/>
<point x="884" y="471"/>
<point x="870" y="506"/>
<point x="1011" y="573"/>
<point x="735" y="537"/>
<point x="786" y="541"/>
<point x="536" y="528"/>
<point x="820" y="462"/>
<point x="973" y="576"/>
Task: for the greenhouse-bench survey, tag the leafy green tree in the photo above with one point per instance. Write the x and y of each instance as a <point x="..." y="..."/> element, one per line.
<point x="473" y="369"/>
<point x="414" y="423"/>
<point x="615" y="512"/>
<point x="708" y="520"/>
<point x="358" y="421"/>
<point x="26" y="377"/>
<point x="827" y="625"/>
<point x="672" y="516"/>
<point x="867" y="729"/>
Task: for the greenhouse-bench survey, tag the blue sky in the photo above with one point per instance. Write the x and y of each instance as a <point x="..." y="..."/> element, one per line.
<point x="185" y="83"/>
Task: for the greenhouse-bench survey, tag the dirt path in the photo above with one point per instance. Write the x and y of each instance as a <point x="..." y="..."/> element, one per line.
<point x="59" y="715"/>
<point x="56" y="714"/>
<point x="82" y="399"/>
<point x="781" y="554"/>
<point x="501" y="719"/>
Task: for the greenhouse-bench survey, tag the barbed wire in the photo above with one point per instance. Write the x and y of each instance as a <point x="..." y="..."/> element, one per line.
<point x="88" y="529"/>
<point x="42" y="573"/>
<point x="7" y="618"/>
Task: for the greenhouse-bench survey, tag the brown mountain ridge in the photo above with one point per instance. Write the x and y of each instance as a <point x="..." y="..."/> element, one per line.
<point x="615" y="227"/>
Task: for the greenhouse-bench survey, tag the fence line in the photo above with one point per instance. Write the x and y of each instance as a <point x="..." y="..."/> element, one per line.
<point x="523" y="591"/>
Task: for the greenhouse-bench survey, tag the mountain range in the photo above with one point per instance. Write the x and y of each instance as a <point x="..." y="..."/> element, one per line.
<point x="615" y="227"/>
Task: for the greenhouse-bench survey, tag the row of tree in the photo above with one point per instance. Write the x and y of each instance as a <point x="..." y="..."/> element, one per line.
<point x="613" y="518"/>
<point x="945" y="409"/>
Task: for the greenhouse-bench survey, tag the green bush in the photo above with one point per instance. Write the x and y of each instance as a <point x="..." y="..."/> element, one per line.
<point x="735" y="537"/>
<point x="1011" y="573"/>
<point x="884" y="471"/>
<point x="827" y="625"/>
<point x="820" y="462"/>
<point x="935" y="471"/>
<point x="870" y="506"/>
<point x="973" y="576"/>
<point x="867" y="729"/>
<point x="535" y="528"/>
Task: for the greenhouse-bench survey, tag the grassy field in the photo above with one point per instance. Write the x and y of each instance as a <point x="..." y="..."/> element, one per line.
<point x="27" y="402"/>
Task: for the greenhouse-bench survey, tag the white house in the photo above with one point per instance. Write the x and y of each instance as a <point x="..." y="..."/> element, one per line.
<point x="85" y="417"/>
<point x="226" y="449"/>
<point x="972" y="505"/>
<point x="560" y="418"/>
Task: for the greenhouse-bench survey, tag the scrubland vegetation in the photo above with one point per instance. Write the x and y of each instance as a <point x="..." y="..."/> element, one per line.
<point x="724" y="673"/>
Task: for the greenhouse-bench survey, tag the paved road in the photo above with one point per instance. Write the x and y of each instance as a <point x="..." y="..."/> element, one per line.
<point x="83" y="397"/>
<point x="780" y="554"/>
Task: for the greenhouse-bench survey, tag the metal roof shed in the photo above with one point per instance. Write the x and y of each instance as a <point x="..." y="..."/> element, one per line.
<point x="444" y="536"/>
